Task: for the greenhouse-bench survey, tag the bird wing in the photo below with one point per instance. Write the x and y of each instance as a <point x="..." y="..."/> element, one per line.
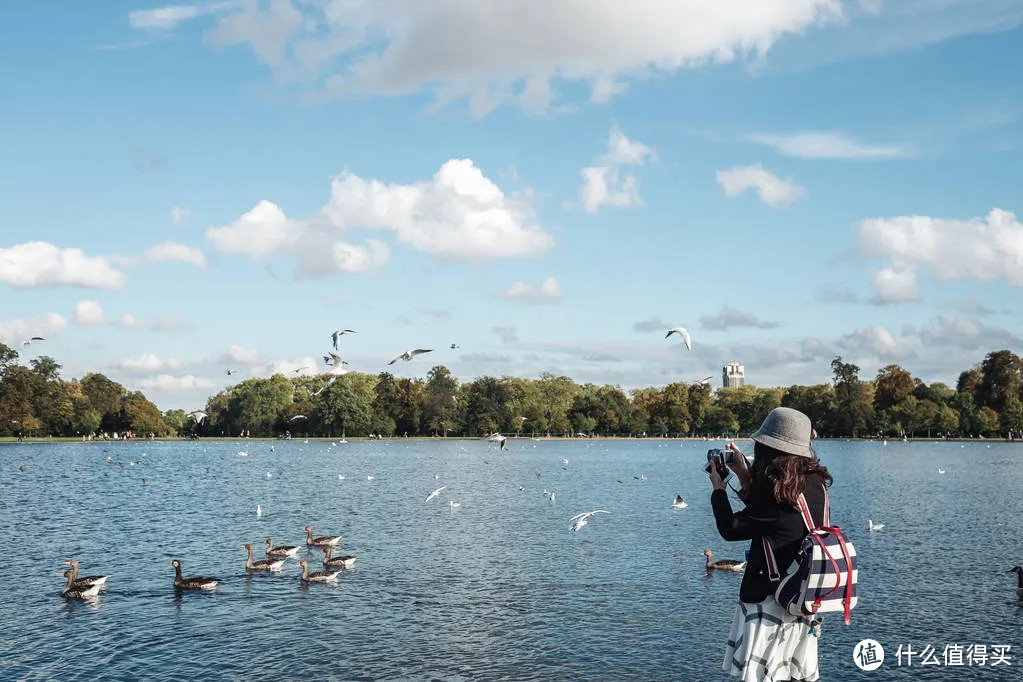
<point x="579" y="516"/>
<point x="396" y="358"/>
<point x="417" y="351"/>
<point x="334" y="337"/>
<point x="37" y="338"/>
<point x="349" y="331"/>
<point x="687" y="338"/>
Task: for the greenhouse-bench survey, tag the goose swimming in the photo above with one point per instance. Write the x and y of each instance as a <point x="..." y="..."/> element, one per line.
<point x="321" y="541"/>
<point x="679" y="503"/>
<point x="280" y="551"/>
<point x="871" y="526"/>
<point x="1018" y="570"/>
<point x="262" y="564"/>
<point x="723" y="564"/>
<point x="342" y="561"/>
<point x="435" y="493"/>
<point x="318" y="576"/>
<point x="82" y="592"/>
<point x="193" y="583"/>
<point x="85" y="581"/>
<point x="580" y="520"/>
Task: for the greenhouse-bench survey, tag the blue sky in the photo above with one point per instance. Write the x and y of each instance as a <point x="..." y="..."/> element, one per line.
<point x="207" y="186"/>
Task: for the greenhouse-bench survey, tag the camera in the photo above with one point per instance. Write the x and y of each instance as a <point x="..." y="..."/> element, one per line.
<point x="719" y="458"/>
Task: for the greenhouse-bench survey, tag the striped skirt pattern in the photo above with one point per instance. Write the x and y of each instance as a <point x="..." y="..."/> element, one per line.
<point x="767" y="644"/>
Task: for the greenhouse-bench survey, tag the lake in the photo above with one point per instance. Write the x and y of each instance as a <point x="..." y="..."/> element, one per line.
<point x="499" y="587"/>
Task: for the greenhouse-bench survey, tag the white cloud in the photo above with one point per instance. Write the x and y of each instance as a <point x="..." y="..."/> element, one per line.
<point x="178" y="252"/>
<point x="607" y="184"/>
<point x="825" y="144"/>
<point x="242" y="356"/>
<point x="458" y="213"/>
<point x="15" y="332"/>
<point x="41" y="264"/>
<point x="548" y="292"/>
<point x="964" y="333"/>
<point x="128" y="320"/>
<point x="507" y="334"/>
<point x="516" y="51"/>
<point x="168" y="17"/>
<point x="148" y="362"/>
<point x="985" y="248"/>
<point x="179" y="215"/>
<point x="728" y="317"/>
<point x="167" y="382"/>
<point x="773" y="191"/>
<point x="893" y="286"/>
<point x="88" y="313"/>
<point x="875" y="342"/>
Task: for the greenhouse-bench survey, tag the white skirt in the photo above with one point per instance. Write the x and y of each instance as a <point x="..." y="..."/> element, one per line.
<point x="768" y="644"/>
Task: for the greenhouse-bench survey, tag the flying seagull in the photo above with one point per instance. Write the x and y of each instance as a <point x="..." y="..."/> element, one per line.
<point x="409" y="354"/>
<point x="498" y="438"/>
<point x="28" y="342"/>
<point x="329" y="382"/>
<point x="229" y="372"/>
<point x="435" y="493"/>
<point x="198" y="416"/>
<point x="297" y="416"/>
<point x="684" y="333"/>
<point x="296" y="371"/>
<point x="336" y="364"/>
<point x="336" y="336"/>
<point x="454" y="346"/>
<point x="704" y="380"/>
<point x="580" y="520"/>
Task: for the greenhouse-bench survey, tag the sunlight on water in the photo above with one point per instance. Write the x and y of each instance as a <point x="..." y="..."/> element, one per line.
<point x="499" y="587"/>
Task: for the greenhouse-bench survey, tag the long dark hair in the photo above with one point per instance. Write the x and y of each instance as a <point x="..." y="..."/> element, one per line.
<point x="785" y="473"/>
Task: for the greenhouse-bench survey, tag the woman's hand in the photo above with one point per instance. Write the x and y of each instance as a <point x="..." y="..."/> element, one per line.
<point x="739" y="465"/>
<point x="715" y="478"/>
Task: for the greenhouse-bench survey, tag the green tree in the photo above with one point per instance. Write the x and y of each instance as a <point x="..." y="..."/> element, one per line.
<point x="174" y="422"/>
<point x="106" y="397"/>
<point x="142" y="416"/>
<point x="817" y="402"/>
<point x="347" y="406"/>
<point x="1011" y="417"/>
<point x="720" y="421"/>
<point x="1000" y="378"/>
<point x="891" y="386"/>
<point x="969" y="382"/>
<point x="439" y="401"/>
<point x="556" y="395"/>
<point x="486" y="407"/>
<point x="262" y="405"/>
<point x="854" y="399"/>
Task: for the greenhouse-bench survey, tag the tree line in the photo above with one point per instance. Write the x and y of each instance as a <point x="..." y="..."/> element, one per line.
<point x="986" y="401"/>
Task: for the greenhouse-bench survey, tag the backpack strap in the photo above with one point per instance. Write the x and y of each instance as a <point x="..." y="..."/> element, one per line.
<point x="804" y="511"/>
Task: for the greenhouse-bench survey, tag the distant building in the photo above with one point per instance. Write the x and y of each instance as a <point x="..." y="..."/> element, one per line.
<point x="733" y="375"/>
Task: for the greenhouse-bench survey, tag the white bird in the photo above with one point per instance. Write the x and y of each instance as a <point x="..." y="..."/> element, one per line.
<point x="329" y="382"/>
<point x="409" y="354"/>
<point x="268" y="476"/>
<point x="336" y="336"/>
<point x="371" y="478"/>
<point x="435" y="493"/>
<point x="340" y="477"/>
<point x="198" y="416"/>
<point x="297" y="416"/>
<point x="580" y="520"/>
<point x="498" y="438"/>
<point x="874" y="526"/>
<point x="28" y="342"/>
<point x="941" y="471"/>
<point x="454" y="505"/>
<point x="243" y="454"/>
<point x="684" y="333"/>
<point x="259" y="511"/>
<point x="679" y="503"/>
<point x="564" y="462"/>
<point x="455" y="346"/>
<point x="705" y="380"/>
<point x="436" y="476"/>
<point x="229" y="372"/>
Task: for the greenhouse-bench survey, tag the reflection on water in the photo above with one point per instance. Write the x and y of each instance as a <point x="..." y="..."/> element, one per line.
<point x="500" y="587"/>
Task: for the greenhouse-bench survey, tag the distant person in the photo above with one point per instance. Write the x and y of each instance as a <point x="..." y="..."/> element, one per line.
<point x="766" y="643"/>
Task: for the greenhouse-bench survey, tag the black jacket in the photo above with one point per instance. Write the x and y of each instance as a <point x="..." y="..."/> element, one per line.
<point x="764" y="516"/>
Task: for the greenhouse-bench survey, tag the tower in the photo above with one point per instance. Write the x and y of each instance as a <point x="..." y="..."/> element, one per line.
<point x="733" y="375"/>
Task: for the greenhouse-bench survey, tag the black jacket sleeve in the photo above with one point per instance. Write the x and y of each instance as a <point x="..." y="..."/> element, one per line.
<point x="758" y="518"/>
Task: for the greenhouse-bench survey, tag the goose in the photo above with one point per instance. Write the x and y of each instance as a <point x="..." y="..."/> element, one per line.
<point x="1018" y="570"/>
<point x="193" y="583"/>
<point x="679" y="503"/>
<point x="71" y="591"/>
<point x="85" y="581"/>
<point x="580" y="520"/>
<point x="281" y="551"/>
<point x="874" y="526"/>
<point x="318" y="576"/>
<point x="262" y="564"/>
<point x="321" y="541"/>
<point x="343" y="561"/>
<point x="724" y="564"/>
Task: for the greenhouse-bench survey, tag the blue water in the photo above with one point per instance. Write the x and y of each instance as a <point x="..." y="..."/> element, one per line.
<point x="497" y="588"/>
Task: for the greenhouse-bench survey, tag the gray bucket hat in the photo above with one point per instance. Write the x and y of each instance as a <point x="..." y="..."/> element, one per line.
<point x="786" y="430"/>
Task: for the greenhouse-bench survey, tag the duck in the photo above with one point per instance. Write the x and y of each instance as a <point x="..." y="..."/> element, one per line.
<point x="71" y="591"/>
<point x="1018" y="570"/>
<point x="86" y="580"/>
<point x="343" y="561"/>
<point x="281" y="551"/>
<point x="318" y="576"/>
<point x="194" y="583"/>
<point x="321" y="541"/>
<point x="724" y="564"/>
<point x="871" y="526"/>
<point x="679" y="503"/>
<point x="262" y="564"/>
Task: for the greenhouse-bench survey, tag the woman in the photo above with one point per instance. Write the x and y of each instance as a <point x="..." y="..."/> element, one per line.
<point x="766" y="643"/>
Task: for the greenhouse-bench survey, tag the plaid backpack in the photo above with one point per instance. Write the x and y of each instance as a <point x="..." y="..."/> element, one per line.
<point x="823" y="575"/>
